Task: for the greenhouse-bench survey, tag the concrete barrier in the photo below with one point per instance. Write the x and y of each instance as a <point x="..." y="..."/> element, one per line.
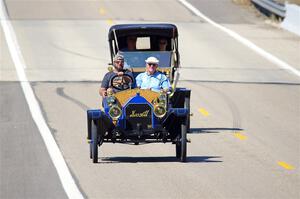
<point x="291" y="21"/>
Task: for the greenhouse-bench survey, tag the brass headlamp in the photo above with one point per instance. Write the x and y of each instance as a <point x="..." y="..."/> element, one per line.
<point x="111" y="100"/>
<point x="115" y="112"/>
<point x="160" y="105"/>
<point x="159" y="110"/>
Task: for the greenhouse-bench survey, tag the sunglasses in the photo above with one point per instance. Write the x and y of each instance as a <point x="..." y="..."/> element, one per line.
<point x="119" y="62"/>
<point x="151" y="64"/>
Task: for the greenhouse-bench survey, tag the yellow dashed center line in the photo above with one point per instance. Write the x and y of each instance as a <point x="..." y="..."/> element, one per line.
<point x="240" y="136"/>
<point x="203" y="112"/>
<point x="102" y="11"/>
<point x="110" y="21"/>
<point x="285" y="165"/>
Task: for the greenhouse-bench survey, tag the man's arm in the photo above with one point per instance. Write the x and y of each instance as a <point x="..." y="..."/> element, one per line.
<point x="138" y="80"/>
<point x="104" y="85"/>
<point x="165" y="83"/>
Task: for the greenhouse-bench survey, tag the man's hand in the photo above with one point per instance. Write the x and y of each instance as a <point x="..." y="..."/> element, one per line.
<point x="103" y="92"/>
<point x="120" y="73"/>
<point x="165" y="90"/>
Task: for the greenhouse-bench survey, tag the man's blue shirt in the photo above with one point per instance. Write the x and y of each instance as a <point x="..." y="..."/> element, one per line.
<point x="156" y="82"/>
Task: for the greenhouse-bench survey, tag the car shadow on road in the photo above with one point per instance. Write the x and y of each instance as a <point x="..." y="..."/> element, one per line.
<point x="213" y="130"/>
<point x="190" y="159"/>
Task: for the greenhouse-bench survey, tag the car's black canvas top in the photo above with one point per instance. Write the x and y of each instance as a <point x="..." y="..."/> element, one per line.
<point x="164" y="30"/>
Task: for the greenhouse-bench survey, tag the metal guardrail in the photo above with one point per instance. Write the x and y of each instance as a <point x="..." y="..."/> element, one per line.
<point x="271" y="6"/>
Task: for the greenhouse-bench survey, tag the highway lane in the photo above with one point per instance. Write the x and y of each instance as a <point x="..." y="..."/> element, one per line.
<point x="69" y="41"/>
<point x="262" y="104"/>
<point x="247" y="22"/>
<point x="7" y="69"/>
<point x="220" y="165"/>
<point x="26" y="170"/>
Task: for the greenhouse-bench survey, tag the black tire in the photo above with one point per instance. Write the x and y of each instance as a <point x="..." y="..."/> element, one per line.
<point x="178" y="149"/>
<point x="181" y="145"/>
<point x="94" y="143"/>
<point x="183" y="141"/>
<point x="91" y="148"/>
<point x="90" y="141"/>
<point x="187" y="106"/>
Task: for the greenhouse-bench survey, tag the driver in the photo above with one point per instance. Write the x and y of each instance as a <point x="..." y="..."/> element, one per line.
<point x="118" y="79"/>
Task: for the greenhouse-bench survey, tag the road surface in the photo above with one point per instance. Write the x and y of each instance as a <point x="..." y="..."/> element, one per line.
<point x="246" y="109"/>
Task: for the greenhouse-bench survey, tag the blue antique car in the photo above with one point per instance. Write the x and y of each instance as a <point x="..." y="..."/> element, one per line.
<point x="135" y="115"/>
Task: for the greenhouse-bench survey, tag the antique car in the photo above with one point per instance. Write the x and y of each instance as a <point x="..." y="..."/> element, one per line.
<point x="135" y="115"/>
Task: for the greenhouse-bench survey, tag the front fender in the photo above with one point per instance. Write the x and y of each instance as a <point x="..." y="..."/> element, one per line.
<point x="179" y="112"/>
<point x="94" y="114"/>
<point x="99" y="118"/>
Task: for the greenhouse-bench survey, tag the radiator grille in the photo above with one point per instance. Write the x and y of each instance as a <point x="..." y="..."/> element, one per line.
<point x="138" y="114"/>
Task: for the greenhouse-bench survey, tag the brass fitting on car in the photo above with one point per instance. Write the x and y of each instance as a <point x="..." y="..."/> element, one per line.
<point x="115" y="112"/>
<point x="159" y="110"/>
<point x="160" y="105"/>
<point x="109" y="91"/>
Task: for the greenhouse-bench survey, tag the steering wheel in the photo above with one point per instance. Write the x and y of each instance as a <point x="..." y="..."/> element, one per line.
<point x="121" y="82"/>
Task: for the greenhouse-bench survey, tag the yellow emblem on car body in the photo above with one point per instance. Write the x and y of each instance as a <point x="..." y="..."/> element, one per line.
<point x="135" y="114"/>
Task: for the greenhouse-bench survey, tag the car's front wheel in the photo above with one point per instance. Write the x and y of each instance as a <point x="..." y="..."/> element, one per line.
<point x="181" y="145"/>
<point x="94" y="143"/>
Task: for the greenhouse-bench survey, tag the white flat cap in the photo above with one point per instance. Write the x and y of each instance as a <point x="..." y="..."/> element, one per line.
<point x="152" y="60"/>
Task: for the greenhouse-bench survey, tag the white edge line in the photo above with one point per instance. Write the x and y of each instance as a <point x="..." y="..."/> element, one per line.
<point x="246" y="42"/>
<point x="64" y="174"/>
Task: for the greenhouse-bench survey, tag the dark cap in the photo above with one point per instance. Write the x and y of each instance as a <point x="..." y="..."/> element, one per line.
<point x="118" y="57"/>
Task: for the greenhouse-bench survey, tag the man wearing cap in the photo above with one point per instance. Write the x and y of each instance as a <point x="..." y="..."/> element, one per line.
<point x="118" y="79"/>
<point x="152" y="79"/>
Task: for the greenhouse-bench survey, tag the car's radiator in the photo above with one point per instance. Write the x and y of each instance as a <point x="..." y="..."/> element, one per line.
<point x="138" y="116"/>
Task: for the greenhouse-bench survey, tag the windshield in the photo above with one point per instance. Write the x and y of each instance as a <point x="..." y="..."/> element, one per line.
<point x="137" y="58"/>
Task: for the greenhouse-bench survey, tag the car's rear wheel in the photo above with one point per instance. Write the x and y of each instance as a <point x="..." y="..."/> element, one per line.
<point x="181" y="144"/>
<point x="187" y="106"/>
<point x="178" y="149"/>
<point x="94" y="143"/>
<point x="183" y="141"/>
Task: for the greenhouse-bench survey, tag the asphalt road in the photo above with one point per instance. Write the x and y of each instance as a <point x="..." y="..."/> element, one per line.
<point x="26" y="169"/>
<point x="246" y="110"/>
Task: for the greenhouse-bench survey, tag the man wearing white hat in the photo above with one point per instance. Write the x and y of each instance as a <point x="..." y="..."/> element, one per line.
<point x="152" y="79"/>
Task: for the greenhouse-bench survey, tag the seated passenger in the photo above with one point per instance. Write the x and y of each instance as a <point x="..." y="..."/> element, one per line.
<point x="162" y="44"/>
<point x="131" y="44"/>
<point x="118" y="79"/>
<point x="152" y="79"/>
